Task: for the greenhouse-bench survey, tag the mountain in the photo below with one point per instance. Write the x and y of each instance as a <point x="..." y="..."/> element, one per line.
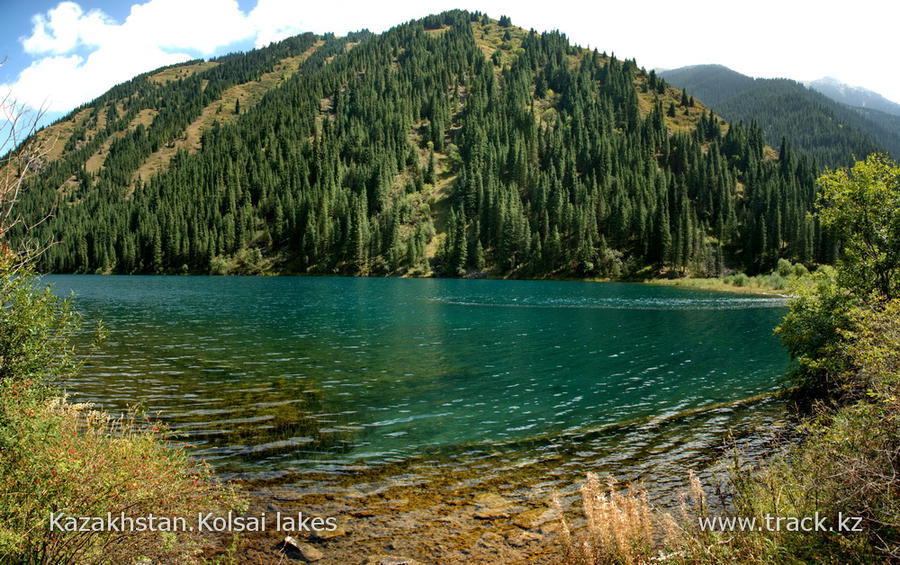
<point x="712" y="84"/>
<point x="453" y="145"/>
<point x="854" y="96"/>
<point x="832" y="132"/>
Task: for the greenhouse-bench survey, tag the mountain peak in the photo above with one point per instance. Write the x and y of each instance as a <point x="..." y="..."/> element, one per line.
<point x="856" y="96"/>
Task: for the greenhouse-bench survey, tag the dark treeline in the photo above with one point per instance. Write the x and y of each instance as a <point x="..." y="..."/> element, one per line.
<point x="414" y="152"/>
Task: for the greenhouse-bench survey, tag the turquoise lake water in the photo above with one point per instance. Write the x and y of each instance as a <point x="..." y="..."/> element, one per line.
<point x="321" y="373"/>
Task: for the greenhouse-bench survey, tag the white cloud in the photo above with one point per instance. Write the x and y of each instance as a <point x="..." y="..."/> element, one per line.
<point x="64" y="27"/>
<point x="274" y="20"/>
<point x="201" y="25"/>
<point x="80" y="55"/>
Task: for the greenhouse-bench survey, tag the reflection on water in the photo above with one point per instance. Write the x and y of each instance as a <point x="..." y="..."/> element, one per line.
<point x="317" y="376"/>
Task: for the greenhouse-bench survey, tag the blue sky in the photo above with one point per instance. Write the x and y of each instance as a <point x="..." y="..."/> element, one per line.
<point x="62" y="54"/>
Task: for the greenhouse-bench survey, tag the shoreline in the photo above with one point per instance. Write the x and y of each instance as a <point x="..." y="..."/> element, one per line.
<point x="494" y="507"/>
<point x="718" y="285"/>
<point x="686" y="283"/>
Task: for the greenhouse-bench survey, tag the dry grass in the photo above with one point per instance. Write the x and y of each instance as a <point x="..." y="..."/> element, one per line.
<point x="489" y="39"/>
<point x="623" y="528"/>
<point x="72" y="459"/>
<point x="181" y="72"/>
<point x="94" y="163"/>
<point x="619" y="524"/>
<point x="54" y="137"/>
<point x="222" y="110"/>
<point x="719" y="285"/>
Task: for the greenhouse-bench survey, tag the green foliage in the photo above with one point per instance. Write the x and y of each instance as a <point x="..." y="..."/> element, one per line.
<point x="862" y="206"/>
<point x="843" y="330"/>
<point x="244" y="262"/>
<point x="784" y="268"/>
<point x="800" y="270"/>
<point x="786" y="275"/>
<point x="35" y="327"/>
<point x="812" y="332"/>
<point x="739" y="279"/>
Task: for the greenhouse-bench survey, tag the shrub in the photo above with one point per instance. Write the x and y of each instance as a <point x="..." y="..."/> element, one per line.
<point x="800" y="270"/>
<point x="247" y="261"/>
<point x="739" y="279"/>
<point x="66" y="458"/>
<point x="813" y="331"/>
<point x="847" y="463"/>
<point x="784" y="268"/>
<point x="772" y="280"/>
<point x="61" y="457"/>
<point x="34" y="327"/>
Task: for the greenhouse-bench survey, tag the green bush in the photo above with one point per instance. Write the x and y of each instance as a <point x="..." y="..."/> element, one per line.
<point x="35" y="326"/>
<point x="773" y="280"/>
<point x="739" y="279"/>
<point x="813" y="331"/>
<point x="847" y="463"/>
<point x="784" y="268"/>
<point x="800" y="270"/>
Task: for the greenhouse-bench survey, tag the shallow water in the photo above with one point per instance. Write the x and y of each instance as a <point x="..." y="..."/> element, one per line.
<point x="323" y="375"/>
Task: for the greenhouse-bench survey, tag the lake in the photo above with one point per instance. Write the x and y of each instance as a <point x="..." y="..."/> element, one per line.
<point x="291" y="375"/>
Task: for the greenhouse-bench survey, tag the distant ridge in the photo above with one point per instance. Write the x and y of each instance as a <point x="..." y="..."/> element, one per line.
<point x="833" y="132"/>
<point x="854" y="96"/>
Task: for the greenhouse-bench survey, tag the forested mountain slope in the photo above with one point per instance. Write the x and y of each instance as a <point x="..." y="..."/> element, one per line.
<point x="450" y="145"/>
<point x="711" y="83"/>
<point x="833" y="133"/>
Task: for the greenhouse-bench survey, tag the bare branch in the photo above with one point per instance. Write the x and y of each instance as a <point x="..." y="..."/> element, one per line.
<point x="22" y="154"/>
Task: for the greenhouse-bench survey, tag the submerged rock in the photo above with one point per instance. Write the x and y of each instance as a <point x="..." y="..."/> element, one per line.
<point x="308" y="552"/>
<point x="390" y="560"/>
<point x="524" y="538"/>
<point x="491" y="500"/>
<point x="534" y="518"/>
<point x="329" y="534"/>
<point x="491" y="507"/>
<point x="491" y="513"/>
